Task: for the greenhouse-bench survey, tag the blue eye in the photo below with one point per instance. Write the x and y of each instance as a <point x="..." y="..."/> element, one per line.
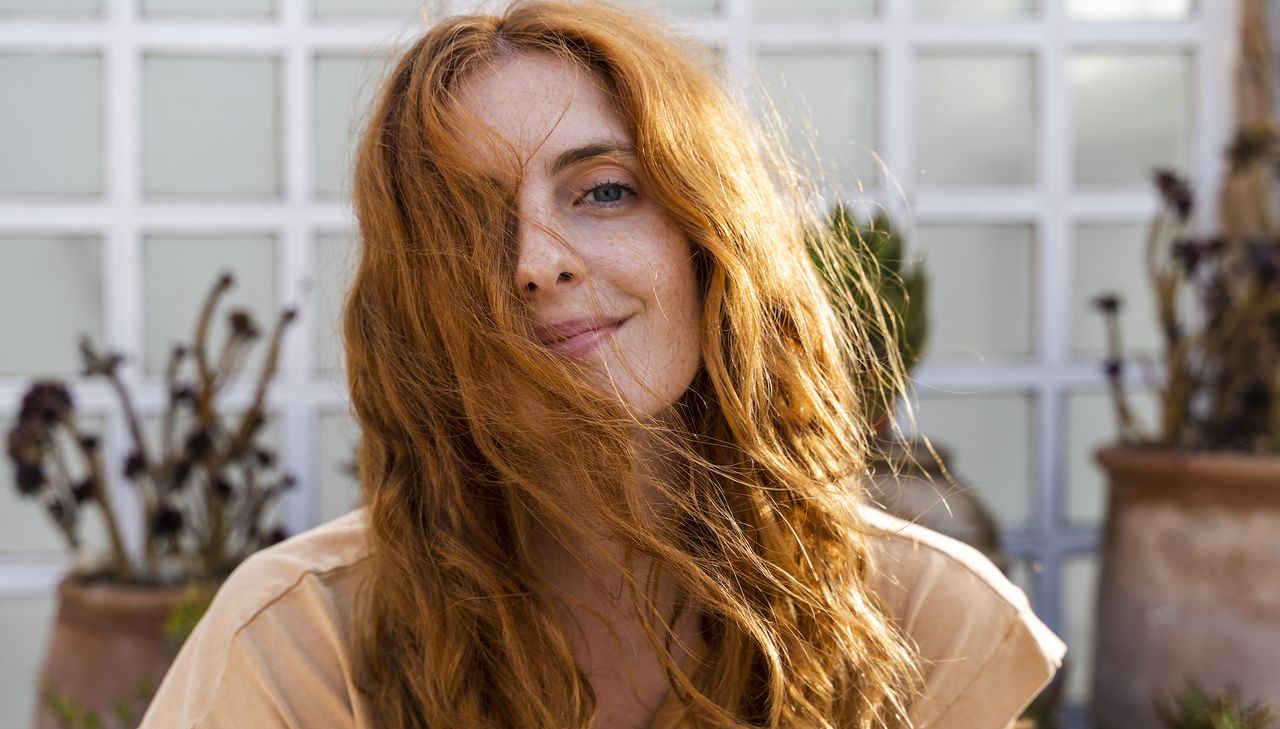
<point x="608" y="194"/>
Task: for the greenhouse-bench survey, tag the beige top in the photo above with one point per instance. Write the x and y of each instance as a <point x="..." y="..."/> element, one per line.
<point x="272" y="651"/>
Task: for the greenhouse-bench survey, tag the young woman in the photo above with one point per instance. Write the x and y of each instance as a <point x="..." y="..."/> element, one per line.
<point x="612" y="435"/>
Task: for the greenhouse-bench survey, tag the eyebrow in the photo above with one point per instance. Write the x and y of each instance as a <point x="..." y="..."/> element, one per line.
<point x="571" y="157"/>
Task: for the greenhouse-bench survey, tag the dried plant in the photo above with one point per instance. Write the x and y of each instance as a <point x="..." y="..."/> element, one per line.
<point x="204" y="491"/>
<point x="1221" y="388"/>
<point x="1222" y="367"/>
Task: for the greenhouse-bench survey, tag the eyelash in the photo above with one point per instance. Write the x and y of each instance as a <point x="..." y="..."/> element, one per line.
<point x="586" y="194"/>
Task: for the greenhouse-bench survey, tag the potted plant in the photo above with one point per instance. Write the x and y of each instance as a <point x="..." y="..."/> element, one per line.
<point x="910" y="479"/>
<point x="204" y="490"/>
<point x="1190" y="562"/>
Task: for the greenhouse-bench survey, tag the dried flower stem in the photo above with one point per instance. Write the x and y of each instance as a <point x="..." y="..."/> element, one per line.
<point x="62" y="491"/>
<point x="204" y="403"/>
<point x="1130" y="430"/>
<point x="97" y="476"/>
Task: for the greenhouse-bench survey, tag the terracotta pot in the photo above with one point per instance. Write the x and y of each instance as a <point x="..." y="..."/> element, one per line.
<point x="1190" y="583"/>
<point x="106" y="639"/>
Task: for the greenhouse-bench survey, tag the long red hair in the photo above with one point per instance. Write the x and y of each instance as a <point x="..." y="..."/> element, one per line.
<point x="455" y="627"/>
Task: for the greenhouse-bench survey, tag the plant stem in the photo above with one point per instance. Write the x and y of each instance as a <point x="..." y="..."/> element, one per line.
<point x="119" y="557"/>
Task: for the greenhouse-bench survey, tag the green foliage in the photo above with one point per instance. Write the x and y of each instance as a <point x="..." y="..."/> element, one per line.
<point x="1197" y="709"/>
<point x="184" y="616"/>
<point x="71" y="714"/>
<point x="869" y="257"/>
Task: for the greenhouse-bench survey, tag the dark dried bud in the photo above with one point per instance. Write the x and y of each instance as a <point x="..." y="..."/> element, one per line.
<point x="1113" y="368"/>
<point x="30" y="478"/>
<point x="256" y="421"/>
<point x="1251" y="144"/>
<point x="289" y="315"/>
<point x="84" y="490"/>
<point x="58" y="512"/>
<point x="225" y="281"/>
<point x="242" y="324"/>
<point x="98" y="364"/>
<point x="266" y="458"/>
<point x="178" y="352"/>
<point x="221" y="488"/>
<point x="182" y="393"/>
<point x="1256" y="398"/>
<point x="1264" y="259"/>
<point x="288" y="483"/>
<point x="167" y="521"/>
<point x="198" y="443"/>
<point x="277" y="535"/>
<point x="1175" y="192"/>
<point x="181" y="471"/>
<point x="1188" y="254"/>
<point x="134" y="465"/>
<point x="46" y="401"/>
<point x="25" y="445"/>
<point x="1213" y="246"/>
<point x="1107" y="303"/>
<point x="89" y="442"/>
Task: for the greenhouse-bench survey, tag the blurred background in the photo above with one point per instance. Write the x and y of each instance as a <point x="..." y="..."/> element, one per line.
<point x="146" y="145"/>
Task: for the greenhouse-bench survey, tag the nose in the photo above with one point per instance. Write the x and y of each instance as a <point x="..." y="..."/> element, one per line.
<point x="546" y="261"/>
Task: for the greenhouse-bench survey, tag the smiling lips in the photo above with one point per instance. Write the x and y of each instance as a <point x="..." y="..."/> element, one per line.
<point x="578" y="337"/>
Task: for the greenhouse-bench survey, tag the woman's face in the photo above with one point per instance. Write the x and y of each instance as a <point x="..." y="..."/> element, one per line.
<point x="608" y="278"/>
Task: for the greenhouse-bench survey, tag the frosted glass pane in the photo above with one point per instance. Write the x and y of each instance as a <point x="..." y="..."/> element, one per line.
<point x="1079" y="595"/>
<point x="1091" y="424"/>
<point x="1130" y="113"/>
<point x="25" y="623"/>
<point x="50" y="124"/>
<point x="809" y="8"/>
<point x="975" y="120"/>
<point x="997" y="9"/>
<point x="828" y="103"/>
<point x="211" y="126"/>
<point x="991" y="440"/>
<point x="674" y="7"/>
<point x="339" y="491"/>
<point x="980" y="300"/>
<point x="345" y="86"/>
<point x="1110" y="258"/>
<point x="688" y="7"/>
<point x="50" y="8"/>
<point x="25" y="525"/>
<point x="177" y="275"/>
<point x="170" y="8"/>
<point x="1128" y="9"/>
<point x="335" y="265"/>
<point x="404" y="10"/>
<point x="52" y="291"/>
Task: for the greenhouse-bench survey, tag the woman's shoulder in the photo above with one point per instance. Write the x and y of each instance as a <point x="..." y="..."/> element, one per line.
<point x="319" y="558"/>
<point x="273" y="648"/>
<point x="985" y="654"/>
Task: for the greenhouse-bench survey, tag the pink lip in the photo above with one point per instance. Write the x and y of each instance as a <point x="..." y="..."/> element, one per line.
<point x="578" y="337"/>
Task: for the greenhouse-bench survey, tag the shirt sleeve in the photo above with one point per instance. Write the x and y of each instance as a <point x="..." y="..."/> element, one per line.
<point x="984" y="653"/>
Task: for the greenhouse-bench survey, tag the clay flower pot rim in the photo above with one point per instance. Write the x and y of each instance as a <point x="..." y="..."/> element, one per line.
<point x="1226" y="468"/>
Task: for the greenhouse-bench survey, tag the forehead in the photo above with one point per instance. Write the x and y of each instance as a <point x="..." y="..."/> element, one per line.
<point x="528" y="107"/>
